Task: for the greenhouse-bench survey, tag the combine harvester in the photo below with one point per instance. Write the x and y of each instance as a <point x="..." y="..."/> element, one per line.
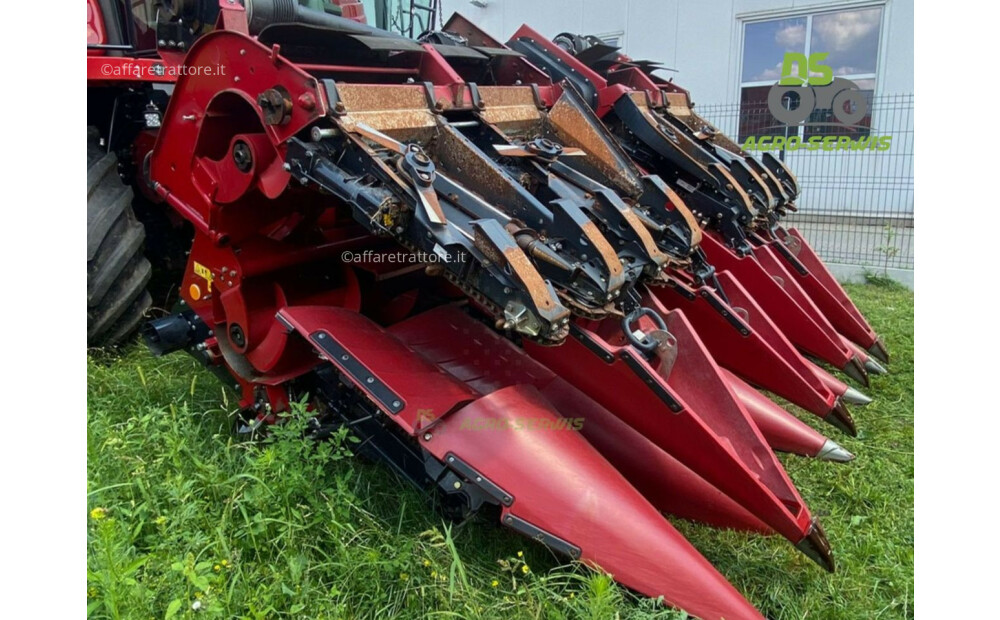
<point x="465" y="256"/>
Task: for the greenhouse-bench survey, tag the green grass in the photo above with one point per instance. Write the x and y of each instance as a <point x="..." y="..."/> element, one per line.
<point x="180" y="514"/>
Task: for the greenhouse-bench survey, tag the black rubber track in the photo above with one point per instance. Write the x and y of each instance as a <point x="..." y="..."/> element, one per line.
<point x="117" y="271"/>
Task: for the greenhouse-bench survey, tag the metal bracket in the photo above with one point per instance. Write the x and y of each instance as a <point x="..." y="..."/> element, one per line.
<point x="469" y="473"/>
<point x="349" y="364"/>
<point x="650" y="380"/>
<point x="792" y="260"/>
<point x="332" y="96"/>
<point x="733" y="319"/>
<point x="537" y="534"/>
<point x="591" y="344"/>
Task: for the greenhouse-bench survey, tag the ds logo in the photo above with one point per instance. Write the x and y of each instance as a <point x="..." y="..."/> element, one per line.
<point x="821" y="91"/>
<point x="805" y="65"/>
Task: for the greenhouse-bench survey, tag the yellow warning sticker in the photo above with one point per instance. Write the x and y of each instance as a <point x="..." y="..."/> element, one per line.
<point x="205" y="272"/>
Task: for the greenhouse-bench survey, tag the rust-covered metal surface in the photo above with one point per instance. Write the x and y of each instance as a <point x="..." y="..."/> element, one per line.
<point x="679" y="107"/>
<point x="686" y="213"/>
<point x="571" y="123"/>
<point x="603" y="248"/>
<point x="683" y="146"/>
<point x="513" y="109"/>
<point x="397" y="111"/>
<point x="469" y="166"/>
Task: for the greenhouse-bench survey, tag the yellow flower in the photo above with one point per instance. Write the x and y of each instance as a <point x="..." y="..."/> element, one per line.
<point x="225" y="563"/>
<point x="434" y="574"/>
<point x="98" y="513"/>
<point x="91" y="592"/>
<point x="494" y="583"/>
<point x="572" y="594"/>
<point x="217" y="568"/>
<point x="525" y="569"/>
<point x="404" y="576"/>
<point x="427" y="562"/>
<point x="160" y="520"/>
<point x="520" y="554"/>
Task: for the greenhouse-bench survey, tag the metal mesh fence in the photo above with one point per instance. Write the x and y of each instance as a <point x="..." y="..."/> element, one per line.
<point x="856" y="205"/>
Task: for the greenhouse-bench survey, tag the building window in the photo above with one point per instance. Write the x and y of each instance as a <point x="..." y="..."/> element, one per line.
<point x="849" y="37"/>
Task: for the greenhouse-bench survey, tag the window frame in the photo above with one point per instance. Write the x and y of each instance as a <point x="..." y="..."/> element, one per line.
<point x="809" y="12"/>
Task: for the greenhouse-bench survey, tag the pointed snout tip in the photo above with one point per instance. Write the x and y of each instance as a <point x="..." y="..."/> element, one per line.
<point x="840" y="417"/>
<point x="833" y="451"/>
<point x="874" y="367"/>
<point x="857" y="371"/>
<point x="856" y="397"/>
<point x="816" y="547"/>
<point x="879" y="351"/>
